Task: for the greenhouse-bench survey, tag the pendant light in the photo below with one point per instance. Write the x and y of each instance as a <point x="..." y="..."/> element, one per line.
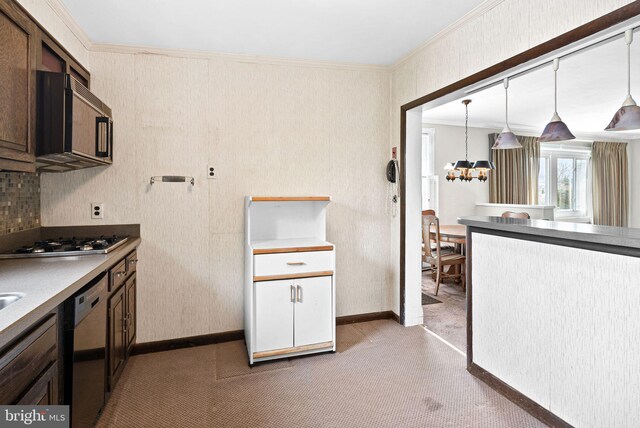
<point x="506" y="139"/>
<point x="556" y="129"/>
<point x="465" y="168"/>
<point x="628" y="116"/>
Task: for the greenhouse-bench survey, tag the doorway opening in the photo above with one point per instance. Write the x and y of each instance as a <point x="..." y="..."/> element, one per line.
<point x="419" y="121"/>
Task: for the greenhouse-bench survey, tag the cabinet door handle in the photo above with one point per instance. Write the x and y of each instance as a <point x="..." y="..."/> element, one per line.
<point x="293" y="293"/>
<point x="299" y="293"/>
<point x="296" y="263"/>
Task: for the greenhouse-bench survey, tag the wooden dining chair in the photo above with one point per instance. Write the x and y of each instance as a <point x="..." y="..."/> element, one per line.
<point x="511" y="214"/>
<point x="446" y="246"/>
<point x="436" y="257"/>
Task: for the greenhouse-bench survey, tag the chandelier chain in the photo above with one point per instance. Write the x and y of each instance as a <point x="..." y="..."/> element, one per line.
<point x="466" y="132"/>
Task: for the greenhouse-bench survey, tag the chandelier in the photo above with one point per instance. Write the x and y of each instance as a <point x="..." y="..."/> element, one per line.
<point x="463" y="169"/>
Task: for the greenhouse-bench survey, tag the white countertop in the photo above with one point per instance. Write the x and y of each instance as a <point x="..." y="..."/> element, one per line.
<point x="489" y="204"/>
<point x="46" y="283"/>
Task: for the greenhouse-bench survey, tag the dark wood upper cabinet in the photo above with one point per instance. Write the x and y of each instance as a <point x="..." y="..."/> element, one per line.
<point x="18" y="36"/>
<point x="24" y="48"/>
<point x="50" y="56"/>
<point x="50" y="60"/>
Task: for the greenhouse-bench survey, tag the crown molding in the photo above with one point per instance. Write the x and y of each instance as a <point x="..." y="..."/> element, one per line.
<point x="61" y="11"/>
<point x="254" y="59"/>
<point x="474" y="13"/>
<point x="66" y="18"/>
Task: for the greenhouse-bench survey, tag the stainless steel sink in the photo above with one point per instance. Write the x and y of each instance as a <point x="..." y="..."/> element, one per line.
<point x="8" y="298"/>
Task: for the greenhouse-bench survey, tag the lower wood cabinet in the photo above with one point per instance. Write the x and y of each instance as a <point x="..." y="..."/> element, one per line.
<point x="122" y="319"/>
<point x="130" y="315"/>
<point x="44" y="391"/>
<point x="292" y="314"/>
<point x="28" y="366"/>
<point x="117" y="339"/>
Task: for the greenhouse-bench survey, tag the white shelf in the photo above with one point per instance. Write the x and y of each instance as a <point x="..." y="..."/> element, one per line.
<point x="294" y="245"/>
<point x="278" y="244"/>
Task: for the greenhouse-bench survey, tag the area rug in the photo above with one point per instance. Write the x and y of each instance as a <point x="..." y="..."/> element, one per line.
<point x="428" y="300"/>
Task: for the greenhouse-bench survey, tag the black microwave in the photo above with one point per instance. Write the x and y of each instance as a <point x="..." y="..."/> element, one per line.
<point x="74" y="129"/>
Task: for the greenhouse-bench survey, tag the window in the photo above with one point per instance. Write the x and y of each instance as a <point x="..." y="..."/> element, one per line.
<point x="564" y="180"/>
<point x="429" y="177"/>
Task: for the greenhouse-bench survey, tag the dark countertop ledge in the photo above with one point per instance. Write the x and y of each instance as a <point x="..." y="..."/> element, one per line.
<point x="603" y="235"/>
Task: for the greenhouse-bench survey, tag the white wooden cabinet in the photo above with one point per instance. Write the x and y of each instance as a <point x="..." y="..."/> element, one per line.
<point x="313" y="318"/>
<point x="274" y="315"/>
<point x="289" y="278"/>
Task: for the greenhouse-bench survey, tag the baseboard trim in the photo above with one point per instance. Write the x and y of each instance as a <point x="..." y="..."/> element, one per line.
<point x="516" y="397"/>
<point x="186" y="342"/>
<point x="228" y="336"/>
<point x="370" y="316"/>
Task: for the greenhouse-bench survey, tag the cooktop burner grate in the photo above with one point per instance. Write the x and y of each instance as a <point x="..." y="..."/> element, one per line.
<point x="67" y="247"/>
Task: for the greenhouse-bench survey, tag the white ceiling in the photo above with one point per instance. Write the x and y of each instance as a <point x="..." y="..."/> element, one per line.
<point x="357" y="31"/>
<point x="591" y="88"/>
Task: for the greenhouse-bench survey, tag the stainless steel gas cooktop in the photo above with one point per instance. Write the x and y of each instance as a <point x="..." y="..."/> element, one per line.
<point x="67" y="247"/>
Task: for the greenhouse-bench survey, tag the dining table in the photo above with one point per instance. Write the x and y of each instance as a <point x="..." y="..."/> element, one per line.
<point x="455" y="233"/>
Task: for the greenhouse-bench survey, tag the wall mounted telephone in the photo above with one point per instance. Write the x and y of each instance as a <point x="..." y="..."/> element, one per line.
<point x="392" y="166"/>
<point x="393" y="177"/>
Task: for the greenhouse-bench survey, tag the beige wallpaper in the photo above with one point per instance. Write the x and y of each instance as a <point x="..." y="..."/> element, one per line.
<point x="268" y="130"/>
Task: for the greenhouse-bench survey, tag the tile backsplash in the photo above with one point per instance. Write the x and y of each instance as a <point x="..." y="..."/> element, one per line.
<point x="19" y="201"/>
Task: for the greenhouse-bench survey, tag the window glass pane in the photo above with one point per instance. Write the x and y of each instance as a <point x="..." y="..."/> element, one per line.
<point x="428" y="155"/>
<point x="581" y="185"/>
<point x="542" y="182"/>
<point x="430" y="193"/>
<point x="565" y="184"/>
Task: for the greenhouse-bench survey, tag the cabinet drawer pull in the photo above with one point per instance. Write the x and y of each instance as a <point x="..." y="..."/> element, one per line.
<point x="122" y="273"/>
<point x="133" y="261"/>
<point x="296" y="263"/>
<point x="299" y="294"/>
<point x="293" y="293"/>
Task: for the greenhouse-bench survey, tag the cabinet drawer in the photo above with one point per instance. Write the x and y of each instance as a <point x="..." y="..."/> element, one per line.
<point x="117" y="275"/>
<point x="24" y="361"/>
<point x="286" y="264"/>
<point x="132" y="262"/>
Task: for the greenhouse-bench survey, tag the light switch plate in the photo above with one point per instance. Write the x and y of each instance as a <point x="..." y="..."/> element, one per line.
<point x="211" y="172"/>
<point x="97" y="210"/>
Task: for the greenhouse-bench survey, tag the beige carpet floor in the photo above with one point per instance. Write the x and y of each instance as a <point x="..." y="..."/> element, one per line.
<point x="449" y="318"/>
<point x="383" y="375"/>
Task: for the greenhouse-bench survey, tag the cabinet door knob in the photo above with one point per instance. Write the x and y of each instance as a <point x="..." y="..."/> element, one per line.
<point x="293" y="293"/>
<point x="299" y="293"/>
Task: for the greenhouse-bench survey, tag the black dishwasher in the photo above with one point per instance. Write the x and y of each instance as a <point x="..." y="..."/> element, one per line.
<point x="85" y="363"/>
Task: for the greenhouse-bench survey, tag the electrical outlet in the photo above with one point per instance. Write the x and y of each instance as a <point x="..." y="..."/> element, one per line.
<point x="211" y="172"/>
<point x="97" y="210"/>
